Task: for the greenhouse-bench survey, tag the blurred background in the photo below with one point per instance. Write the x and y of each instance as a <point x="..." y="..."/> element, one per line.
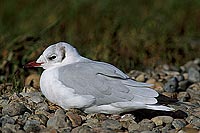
<point x="131" y="34"/>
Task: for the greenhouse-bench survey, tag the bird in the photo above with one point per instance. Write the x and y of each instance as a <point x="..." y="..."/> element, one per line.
<point x="73" y="81"/>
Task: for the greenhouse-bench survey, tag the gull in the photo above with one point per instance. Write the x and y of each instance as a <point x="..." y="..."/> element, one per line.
<point x="73" y="81"/>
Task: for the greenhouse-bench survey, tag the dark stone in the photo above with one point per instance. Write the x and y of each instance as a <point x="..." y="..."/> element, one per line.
<point x="59" y="120"/>
<point x="183" y="85"/>
<point x="171" y="85"/>
<point x="179" y="123"/>
<point x="146" y="125"/>
<point x="6" y="119"/>
<point x="82" y="129"/>
<point x="15" y="108"/>
<point x="32" y="126"/>
<point x="111" y="124"/>
<point x="193" y="75"/>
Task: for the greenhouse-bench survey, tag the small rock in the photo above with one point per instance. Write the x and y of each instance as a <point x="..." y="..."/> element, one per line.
<point x="133" y="127"/>
<point x="6" y="119"/>
<point x="15" y="108"/>
<point x="172" y="95"/>
<point x="146" y="125"/>
<point x="126" y="120"/>
<point x="140" y="78"/>
<point x="194" y="120"/>
<point x="185" y="75"/>
<point x="183" y="96"/>
<point x="196" y="112"/>
<point x="82" y="129"/>
<point x="171" y="85"/>
<point x="197" y="61"/>
<point x="42" y="107"/>
<point x="39" y="117"/>
<point x="188" y="130"/>
<point x="160" y="120"/>
<point x="193" y="75"/>
<point x="65" y="130"/>
<point x="32" y="126"/>
<point x="3" y="102"/>
<point x="59" y="120"/>
<point x="6" y="130"/>
<point x="179" y="123"/>
<point x="111" y="124"/>
<point x="151" y="81"/>
<point x="13" y="127"/>
<point x="33" y="80"/>
<point x="35" y="97"/>
<point x="92" y="122"/>
<point x="158" y="86"/>
<point x="49" y="130"/>
<point x="147" y="132"/>
<point x="74" y="118"/>
<point x="183" y="85"/>
<point x="180" y="78"/>
<point x="194" y="91"/>
<point x="167" y="128"/>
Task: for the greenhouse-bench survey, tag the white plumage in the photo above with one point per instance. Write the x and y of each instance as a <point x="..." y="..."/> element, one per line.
<point x="72" y="81"/>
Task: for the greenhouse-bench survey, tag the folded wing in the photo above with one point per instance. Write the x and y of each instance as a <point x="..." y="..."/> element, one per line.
<point x="106" y="83"/>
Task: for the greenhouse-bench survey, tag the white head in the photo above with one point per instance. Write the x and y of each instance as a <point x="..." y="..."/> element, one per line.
<point x="56" y="55"/>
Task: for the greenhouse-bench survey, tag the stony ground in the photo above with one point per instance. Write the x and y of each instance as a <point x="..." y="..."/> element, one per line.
<point x="30" y="111"/>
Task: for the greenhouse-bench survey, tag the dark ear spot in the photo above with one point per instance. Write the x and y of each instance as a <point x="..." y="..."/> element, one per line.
<point x="62" y="49"/>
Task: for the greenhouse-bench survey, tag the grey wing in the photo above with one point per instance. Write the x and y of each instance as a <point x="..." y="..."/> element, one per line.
<point x="106" y="83"/>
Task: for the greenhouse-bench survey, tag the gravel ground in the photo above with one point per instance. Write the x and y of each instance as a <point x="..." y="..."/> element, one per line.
<point x="30" y="111"/>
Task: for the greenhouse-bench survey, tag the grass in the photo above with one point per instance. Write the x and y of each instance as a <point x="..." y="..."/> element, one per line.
<point x="129" y="34"/>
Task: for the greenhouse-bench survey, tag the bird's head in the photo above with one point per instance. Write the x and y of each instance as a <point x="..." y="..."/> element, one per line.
<point x="56" y="55"/>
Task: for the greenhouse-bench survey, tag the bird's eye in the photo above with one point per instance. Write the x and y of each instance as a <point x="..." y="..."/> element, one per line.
<point x="52" y="57"/>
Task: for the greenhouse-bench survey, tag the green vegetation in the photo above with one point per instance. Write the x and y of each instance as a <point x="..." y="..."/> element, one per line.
<point x="131" y="34"/>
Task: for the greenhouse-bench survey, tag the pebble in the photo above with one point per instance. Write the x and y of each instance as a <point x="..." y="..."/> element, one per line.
<point x="32" y="126"/>
<point x="194" y="120"/>
<point x="126" y="120"/>
<point x="193" y="75"/>
<point x="33" y="80"/>
<point x="133" y="127"/>
<point x="92" y="122"/>
<point x="140" y="78"/>
<point x="59" y="120"/>
<point x="171" y="85"/>
<point x="179" y="123"/>
<point x="183" y="96"/>
<point x="75" y="119"/>
<point x="194" y="91"/>
<point x="6" y="119"/>
<point x="35" y="97"/>
<point x="42" y="107"/>
<point x="14" y="108"/>
<point x="82" y="129"/>
<point x="185" y="75"/>
<point x="11" y="127"/>
<point x="160" y="120"/>
<point x="39" y="117"/>
<point x="183" y="85"/>
<point x="167" y="128"/>
<point x="3" y="102"/>
<point x="146" y="125"/>
<point x="180" y="78"/>
<point x="111" y="124"/>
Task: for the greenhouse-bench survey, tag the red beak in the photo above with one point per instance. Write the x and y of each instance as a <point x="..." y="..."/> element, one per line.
<point x="32" y="64"/>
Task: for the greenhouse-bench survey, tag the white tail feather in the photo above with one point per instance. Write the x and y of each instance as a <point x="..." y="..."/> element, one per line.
<point x="159" y="107"/>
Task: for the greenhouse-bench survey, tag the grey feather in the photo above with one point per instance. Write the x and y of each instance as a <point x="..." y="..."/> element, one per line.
<point x="105" y="82"/>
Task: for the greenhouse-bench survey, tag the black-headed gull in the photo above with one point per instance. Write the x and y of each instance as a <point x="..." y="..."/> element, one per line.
<point x="72" y="81"/>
